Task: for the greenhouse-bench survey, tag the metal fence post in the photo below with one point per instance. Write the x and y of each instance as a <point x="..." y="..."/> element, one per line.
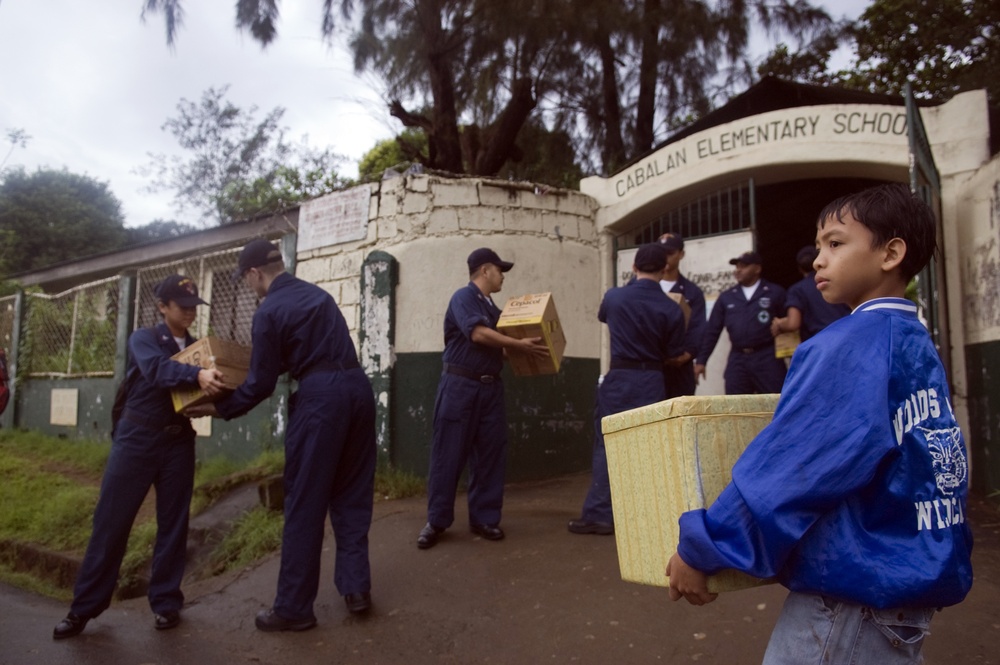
<point x="9" y="417"/>
<point x="126" y="316"/>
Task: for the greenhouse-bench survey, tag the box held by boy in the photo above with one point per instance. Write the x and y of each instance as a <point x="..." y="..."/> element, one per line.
<point x="668" y="458"/>
<point x="230" y="358"/>
<point x="533" y="315"/>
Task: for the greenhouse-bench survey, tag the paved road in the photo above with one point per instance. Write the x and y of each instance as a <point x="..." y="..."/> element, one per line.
<point x="540" y="596"/>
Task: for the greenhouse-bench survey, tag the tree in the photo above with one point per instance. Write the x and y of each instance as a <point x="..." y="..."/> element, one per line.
<point x="51" y="216"/>
<point x="941" y="47"/>
<point x="231" y="152"/>
<point x="470" y="74"/>
<point x="158" y="229"/>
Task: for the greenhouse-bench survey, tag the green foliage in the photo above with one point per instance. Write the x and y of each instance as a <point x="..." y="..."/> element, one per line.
<point x="941" y="47"/>
<point x="397" y="154"/>
<point x="392" y="483"/>
<point x="51" y="216"/>
<point x="254" y="535"/>
<point x="237" y="166"/>
<point x="51" y="329"/>
<point x="156" y="230"/>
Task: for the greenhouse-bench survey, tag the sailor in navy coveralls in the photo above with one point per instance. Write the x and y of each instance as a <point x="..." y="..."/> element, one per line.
<point x="746" y="311"/>
<point x="152" y="446"/>
<point x="470" y="421"/>
<point x="330" y="445"/>
<point x="647" y="332"/>
<point x="681" y="379"/>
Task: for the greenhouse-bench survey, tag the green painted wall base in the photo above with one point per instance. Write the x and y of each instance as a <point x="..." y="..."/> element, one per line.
<point x="550" y="418"/>
<point x="982" y="364"/>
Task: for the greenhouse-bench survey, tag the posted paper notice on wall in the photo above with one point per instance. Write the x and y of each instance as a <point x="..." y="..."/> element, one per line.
<point x="334" y="218"/>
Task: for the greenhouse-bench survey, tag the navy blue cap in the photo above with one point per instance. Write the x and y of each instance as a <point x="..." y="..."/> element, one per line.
<point x="651" y="257"/>
<point x="487" y="255"/>
<point x="746" y="258"/>
<point x="182" y="290"/>
<point x="255" y="254"/>
<point x="673" y="242"/>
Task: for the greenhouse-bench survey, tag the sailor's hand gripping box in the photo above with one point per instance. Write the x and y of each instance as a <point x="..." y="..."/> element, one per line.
<point x="230" y="358"/>
<point x="668" y="458"/>
<point x="533" y="315"/>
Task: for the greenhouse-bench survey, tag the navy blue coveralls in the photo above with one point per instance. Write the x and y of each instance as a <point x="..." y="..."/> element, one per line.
<point x="330" y="445"/>
<point x="752" y="367"/>
<point x="816" y="312"/>
<point x="680" y="380"/>
<point x="470" y="419"/>
<point x="152" y="446"/>
<point x="646" y="328"/>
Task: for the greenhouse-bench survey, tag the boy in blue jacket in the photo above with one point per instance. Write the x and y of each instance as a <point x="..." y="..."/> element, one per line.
<point x="854" y="496"/>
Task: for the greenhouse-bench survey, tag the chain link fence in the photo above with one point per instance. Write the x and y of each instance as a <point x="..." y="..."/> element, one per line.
<point x="232" y="305"/>
<point x="72" y="333"/>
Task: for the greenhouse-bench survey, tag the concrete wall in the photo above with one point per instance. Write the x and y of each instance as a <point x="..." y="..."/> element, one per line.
<point x="429" y="225"/>
<point x="977" y="233"/>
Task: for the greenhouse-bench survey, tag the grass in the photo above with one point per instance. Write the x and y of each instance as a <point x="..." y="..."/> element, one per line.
<point x="49" y="487"/>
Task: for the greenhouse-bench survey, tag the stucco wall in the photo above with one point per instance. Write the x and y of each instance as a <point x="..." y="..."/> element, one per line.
<point x="429" y="225"/>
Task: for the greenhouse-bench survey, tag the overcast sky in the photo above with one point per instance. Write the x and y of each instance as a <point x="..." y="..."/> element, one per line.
<point x="92" y="85"/>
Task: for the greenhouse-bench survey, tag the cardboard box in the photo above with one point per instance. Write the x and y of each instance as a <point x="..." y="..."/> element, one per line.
<point x="786" y="343"/>
<point x="685" y="307"/>
<point x="533" y="315"/>
<point x="230" y="358"/>
<point x="668" y="458"/>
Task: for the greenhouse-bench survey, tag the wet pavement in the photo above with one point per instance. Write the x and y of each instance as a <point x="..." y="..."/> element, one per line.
<point x="542" y="595"/>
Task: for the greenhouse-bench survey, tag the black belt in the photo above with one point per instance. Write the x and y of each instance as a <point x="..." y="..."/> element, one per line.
<point x="647" y="365"/>
<point x="753" y="349"/>
<point x="328" y="366"/>
<point x="469" y="374"/>
<point x="174" y="425"/>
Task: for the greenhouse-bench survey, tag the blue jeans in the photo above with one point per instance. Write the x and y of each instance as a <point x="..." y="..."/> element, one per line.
<point x="816" y="629"/>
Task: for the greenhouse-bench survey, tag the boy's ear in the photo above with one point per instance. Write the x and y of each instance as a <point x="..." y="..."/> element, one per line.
<point x="893" y="254"/>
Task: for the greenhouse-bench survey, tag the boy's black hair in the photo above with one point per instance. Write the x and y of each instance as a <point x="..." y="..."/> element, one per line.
<point x="890" y="211"/>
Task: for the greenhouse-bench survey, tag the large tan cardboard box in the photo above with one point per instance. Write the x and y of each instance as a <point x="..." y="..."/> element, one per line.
<point x="533" y="315"/>
<point x="670" y="457"/>
<point x="683" y="304"/>
<point x="230" y="358"/>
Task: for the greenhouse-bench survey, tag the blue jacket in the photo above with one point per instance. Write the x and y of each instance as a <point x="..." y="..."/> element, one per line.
<point x="816" y="312"/>
<point x="298" y="327"/>
<point x="149" y="353"/>
<point x="748" y="322"/>
<point x="857" y="489"/>
<point x="467" y="309"/>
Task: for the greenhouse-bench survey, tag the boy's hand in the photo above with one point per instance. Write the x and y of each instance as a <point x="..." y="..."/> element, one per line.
<point x="687" y="582"/>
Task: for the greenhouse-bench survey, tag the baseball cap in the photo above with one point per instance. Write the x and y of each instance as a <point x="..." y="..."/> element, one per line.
<point x="746" y="258"/>
<point x="806" y="254"/>
<point x="255" y="254"/>
<point x="672" y="242"/>
<point x="180" y="289"/>
<point x="487" y="255"/>
<point x="651" y="257"/>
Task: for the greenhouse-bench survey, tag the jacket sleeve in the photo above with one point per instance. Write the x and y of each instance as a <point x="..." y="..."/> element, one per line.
<point x="155" y="364"/>
<point x="265" y="368"/>
<point x="830" y="433"/>
<point x="696" y="325"/>
<point x="713" y="330"/>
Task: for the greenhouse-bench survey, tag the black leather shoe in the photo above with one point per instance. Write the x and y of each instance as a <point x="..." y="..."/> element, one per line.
<point x="428" y="536"/>
<point x="269" y="622"/>
<point x="487" y="531"/>
<point x="71" y="626"/>
<point x="597" y="528"/>
<point x="358" y="603"/>
<point x="166" y="620"/>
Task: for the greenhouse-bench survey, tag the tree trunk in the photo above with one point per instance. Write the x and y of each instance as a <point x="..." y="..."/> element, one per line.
<point x="613" y="154"/>
<point x="503" y="133"/>
<point x="645" y="108"/>
<point x="443" y="139"/>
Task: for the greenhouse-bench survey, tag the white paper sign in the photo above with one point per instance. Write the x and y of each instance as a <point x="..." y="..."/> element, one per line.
<point x="63" y="406"/>
<point x="334" y="218"/>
